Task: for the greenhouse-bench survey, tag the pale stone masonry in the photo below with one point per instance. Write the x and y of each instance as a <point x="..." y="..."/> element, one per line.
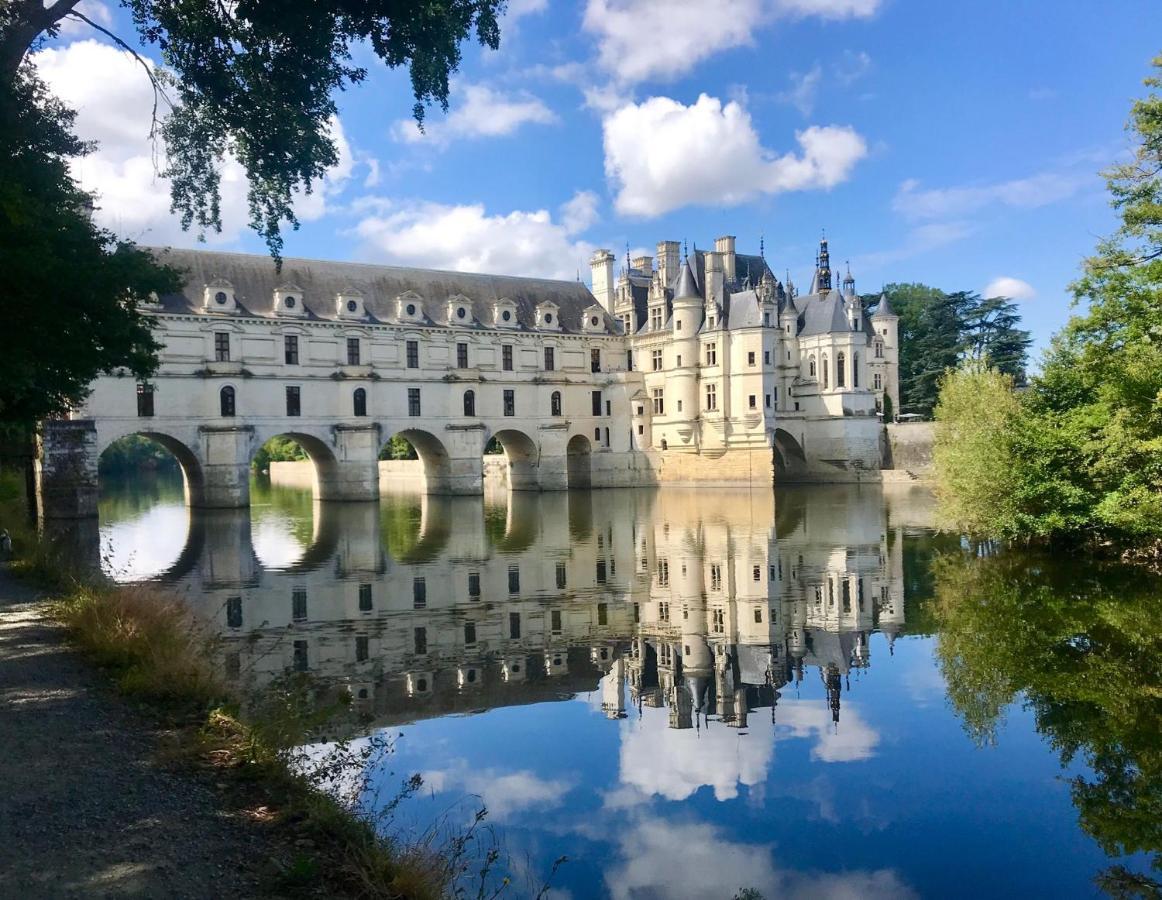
<point x="704" y="370"/>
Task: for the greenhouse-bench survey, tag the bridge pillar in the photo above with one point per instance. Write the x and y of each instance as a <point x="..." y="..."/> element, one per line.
<point x="552" y="461"/>
<point x="66" y="469"/>
<point x="225" y="468"/>
<point x="354" y="473"/>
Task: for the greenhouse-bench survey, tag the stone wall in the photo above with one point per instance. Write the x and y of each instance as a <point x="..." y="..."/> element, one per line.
<point x="908" y="447"/>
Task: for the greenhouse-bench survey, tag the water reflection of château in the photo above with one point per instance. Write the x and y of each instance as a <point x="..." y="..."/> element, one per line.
<point x="707" y="604"/>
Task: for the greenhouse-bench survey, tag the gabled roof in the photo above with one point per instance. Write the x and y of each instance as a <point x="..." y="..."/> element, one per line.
<point x="822" y="314"/>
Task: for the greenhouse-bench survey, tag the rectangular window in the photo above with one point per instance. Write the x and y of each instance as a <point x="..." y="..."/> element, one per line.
<point x="365" y="601"/>
<point x="294" y="405"/>
<point x="413" y="354"/>
<point x="663" y="572"/>
<point x="596" y="397"/>
<point x="562" y="577"/>
<point x="656" y="318"/>
<point x="711" y="354"/>
<point x="718" y="621"/>
<point x="656" y="357"/>
<point x="766" y="318"/>
<point x="145" y="400"/>
<point x="629" y="360"/>
<point x="474" y="585"/>
<point x="767" y="401"/>
<point x="513" y="580"/>
<point x="594" y="360"/>
<point x="419" y="593"/>
<point x="550" y="359"/>
<point x="514" y="626"/>
<point x="752" y="401"/>
<point x="234" y="612"/>
<point x="413" y="401"/>
<point x="222" y="346"/>
<point x="877" y="381"/>
<point x="299" y="604"/>
<point x="715" y="577"/>
<point x="663" y="611"/>
<point x="678" y="361"/>
<point x="766" y="357"/>
<point x="301" y="657"/>
<point x="506" y="357"/>
<point x="601" y="571"/>
<point x="750" y="358"/>
<point x="352" y="351"/>
<point x="361" y="653"/>
<point x="420" y="641"/>
<point x="602" y="613"/>
<point x="462" y="356"/>
<point x="290" y="349"/>
<point x="659" y="402"/>
<point x="555" y="621"/>
<point x="510" y="403"/>
<point x="469" y="633"/>
<point x="712" y="396"/>
<point x="879" y="350"/>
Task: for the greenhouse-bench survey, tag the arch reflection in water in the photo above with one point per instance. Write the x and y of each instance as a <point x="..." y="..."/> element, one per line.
<point x="688" y="602"/>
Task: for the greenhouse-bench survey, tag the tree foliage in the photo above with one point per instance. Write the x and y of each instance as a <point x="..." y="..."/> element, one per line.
<point x="277" y="449"/>
<point x="1083" y="456"/>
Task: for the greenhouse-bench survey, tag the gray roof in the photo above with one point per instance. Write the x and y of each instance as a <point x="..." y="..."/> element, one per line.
<point x="687" y="285"/>
<point x="745" y="310"/>
<point x="254" y="280"/>
<point x="884" y="310"/>
<point x="822" y="314"/>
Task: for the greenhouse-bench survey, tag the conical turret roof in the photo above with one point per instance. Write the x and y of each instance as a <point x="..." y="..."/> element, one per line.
<point x="884" y="310"/>
<point x="687" y="284"/>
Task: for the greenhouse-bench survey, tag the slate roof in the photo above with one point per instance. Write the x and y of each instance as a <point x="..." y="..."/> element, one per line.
<point x="884" y="309"/>
<point x="822" y="314"/>
<point x="254" y="280"/>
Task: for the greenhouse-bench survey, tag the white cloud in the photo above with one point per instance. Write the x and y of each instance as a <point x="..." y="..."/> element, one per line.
<point x="466" y="238"/>
<point x="852" y="740"/>
<point x="1032" y="192"/>
<point x="517" y="9"/>
<point x="503" y="793"/>
<point x="580" y="212"/>
<point x="480" y="111"/>
<point x="804" y="89"/>
<point x="921" y="239"/>
<point x="852" y="67"/>
<point x="661" y="155"/>
<point x="95" y="10"/>
<point x="115" y="111"/>
<point x="1013" y="288"/>
<point x="641" y="40"/>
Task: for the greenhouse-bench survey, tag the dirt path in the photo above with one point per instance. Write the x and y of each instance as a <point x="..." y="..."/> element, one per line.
<point x="86" y="809"/>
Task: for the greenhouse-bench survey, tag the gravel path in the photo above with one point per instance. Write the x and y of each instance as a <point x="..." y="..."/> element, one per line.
<point x="86" y="808"/>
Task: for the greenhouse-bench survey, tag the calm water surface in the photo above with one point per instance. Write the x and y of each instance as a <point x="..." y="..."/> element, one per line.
<point x="689" y="693"/>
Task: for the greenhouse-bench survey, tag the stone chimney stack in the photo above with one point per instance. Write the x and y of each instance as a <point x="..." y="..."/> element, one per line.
<point x="643" y="264"/>
<point x="724" y="246"/>
<point x="714" y="286"/>
<point x="668" y="261"/>
<point x="601" y="265"/>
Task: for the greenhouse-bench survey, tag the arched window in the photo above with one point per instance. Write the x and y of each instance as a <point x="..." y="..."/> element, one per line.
<point x="470" y="403"/>
<point x="855" y="370"/>
<point x="840" y="373"/>
<point x="226" y="400"/>
<point x="826" y="375"/>
<point x="360" y="402"/>
<point x="811" y="365"/>
<point x="555" y="403"/>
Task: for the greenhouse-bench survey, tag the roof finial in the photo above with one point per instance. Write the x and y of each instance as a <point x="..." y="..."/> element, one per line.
<point x="685" y="250"/>
<point x="762" y="247"/>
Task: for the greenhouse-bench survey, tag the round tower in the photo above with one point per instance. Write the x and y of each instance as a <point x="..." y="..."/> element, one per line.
<point x="682" y="383"/>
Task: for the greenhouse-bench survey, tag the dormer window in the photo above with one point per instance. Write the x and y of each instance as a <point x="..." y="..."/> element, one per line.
<point x="218" y="296"/>
<point x="349" y="304"/>
<point x="593" y="320"/>
<point x="547" y="317"/>
<point x="410" y="307"/>
<point x="459" y="310"/>
<point x="221" y="298"/>
<point x="288" y="300"/>
<point x="504" y="313"/>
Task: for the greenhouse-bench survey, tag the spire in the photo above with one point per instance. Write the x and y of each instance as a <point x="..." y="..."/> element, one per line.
<point x="687" y="284"/>
<point x="823" y="268"/>
<point x="848" y="281"/>
<point x="884" y="309"/>
<point x="762" y="247"/>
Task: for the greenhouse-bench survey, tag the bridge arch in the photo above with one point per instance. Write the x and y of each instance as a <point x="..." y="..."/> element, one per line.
<point x="325" y="480"/>
<point x="790" y="460"/>
<point x="193" y="474"/>
<point x="579" y="464"/>
<point x="432" y="454"/>
<point x="524" y="458"/>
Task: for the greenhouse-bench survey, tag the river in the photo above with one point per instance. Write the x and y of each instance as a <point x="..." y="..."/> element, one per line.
<point x="805" y="693"/>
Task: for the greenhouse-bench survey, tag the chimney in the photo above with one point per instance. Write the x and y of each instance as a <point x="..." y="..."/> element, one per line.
<point x="713" y="286"/>
<point x="601" y="265"/>
<point x="643" y="264"/>
<point x="725" y="247"/>
<point x="668" y="261"/>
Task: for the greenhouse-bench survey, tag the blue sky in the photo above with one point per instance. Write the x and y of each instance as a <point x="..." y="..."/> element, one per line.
<point x="949" y="144"/>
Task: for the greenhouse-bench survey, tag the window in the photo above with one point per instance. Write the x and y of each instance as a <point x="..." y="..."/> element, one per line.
<point x="716" y="577"/>
<point x="594" y="360"/>
<point x="294" y="405"/>
<point x="776" y="395"/>
<point x="514" y="626"/>
<point x="562" y="577"/>
<point x="766" y="318"/>
<point x="366" y="603"/>
<point x="718" y="621"/>
<point x="756" y="573"/>
<point x="629" y="360"/>
<point x="752" y="401"/>
<point x="855" y="370"/>
<point x="234" y="612"/>
<point x="299" y="604"/>
<point x="474" y="585"/>
<point x="678" y="361"/>
<point x="601" y="571"/>
<point x="711" y="396"/>
<point x="359" y="402"/>
<point x="301" y="658"/>
<point x="840" y="370"/>
<point x="413" y="401"/>
<point x="506" y="357"/>
<point x="470" y="403"/>
<point x="663" y="572"/>
<point x="826" y="374"/>
<point x="766" y="357"/>
<point x="879" y="350"/>
<point x="510" y="402"/>
<point x="878" y="381"/>
<point x="222" y="346"/>
<point x="352" y="351"/>
<point x="361" y="650"/>
<point x="710" y="322"/>
<point x="659" y="402"/>
<point x="711" y="354"/>
<point x="596" y="398"/>
<point x="811" y="367"/>
<point x="513" y="580"/>
<point x="663" y="611"/>
<point x="469" y="633"/>
<point x="602" y="613"/>
<point x="555" y="621"/>
<point x="290" y="349"/>
<point x="420" y="641"/>
<point x="555" y="403"/>
<point x="413" y="354"/>
<point x="145" y="400"/>
<point x="550" y="359"/>
<point x="758" y="615"/>
<point x="767" y="401"/>
<point x="656" y="318"/>
<point x="226" y="401"/>
<point x="606" y="437"/>
<point x="656" y="359"/>
<point x="750" y="358"/>
<point x="419" y="593"/>
<point x="462" y="356"/>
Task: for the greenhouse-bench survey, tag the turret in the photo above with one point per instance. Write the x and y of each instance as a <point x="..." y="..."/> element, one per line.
<point x="601" y="266"/>
<point x="822" y="269"/>
<point x="682" y="384"/>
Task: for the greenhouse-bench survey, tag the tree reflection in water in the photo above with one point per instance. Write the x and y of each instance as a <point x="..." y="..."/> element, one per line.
<point x="1081" y="644"/>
